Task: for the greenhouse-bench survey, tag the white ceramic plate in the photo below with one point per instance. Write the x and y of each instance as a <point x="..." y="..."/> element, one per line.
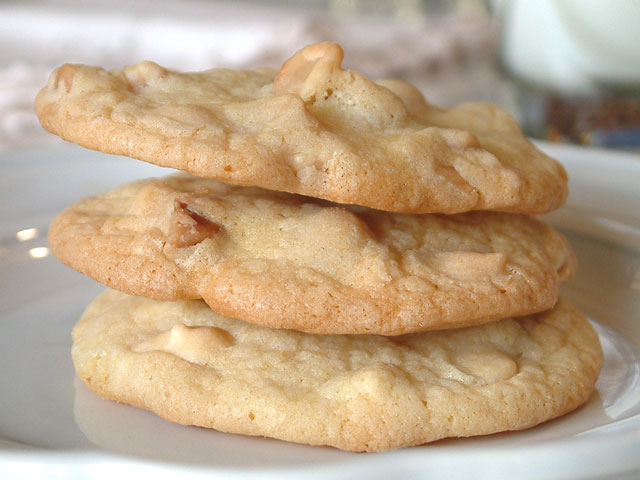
<point x="50" y="425"/>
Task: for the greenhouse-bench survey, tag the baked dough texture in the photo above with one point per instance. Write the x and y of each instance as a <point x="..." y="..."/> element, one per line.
<point x="354" y="392"/>
<point x="313" y="128"/>
<point x="294" y="262"/>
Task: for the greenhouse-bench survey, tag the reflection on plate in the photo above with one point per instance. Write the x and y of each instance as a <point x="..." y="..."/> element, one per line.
<point x="49" y="422"/>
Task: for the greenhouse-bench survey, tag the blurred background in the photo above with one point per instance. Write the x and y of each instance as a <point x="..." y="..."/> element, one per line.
<point x="568" y="70"/>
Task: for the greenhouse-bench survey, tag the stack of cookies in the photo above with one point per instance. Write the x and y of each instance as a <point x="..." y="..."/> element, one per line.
<point x="343" y="264"/>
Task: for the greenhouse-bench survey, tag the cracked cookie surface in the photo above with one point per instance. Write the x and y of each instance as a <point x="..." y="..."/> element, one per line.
<point x="314" y="129"/>
<point x="288" y="261"/>
<point x="354" y="392"/>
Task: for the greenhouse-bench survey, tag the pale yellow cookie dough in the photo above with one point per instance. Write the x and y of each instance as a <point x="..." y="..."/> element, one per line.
<point x="354" y="392"/>
<point x="294" y="262"/>
<point x="313" y="129"/>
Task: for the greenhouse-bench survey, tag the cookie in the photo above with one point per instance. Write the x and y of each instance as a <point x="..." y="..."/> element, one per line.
<point x="288" y="261"/>
<point x="354" y="392"/>
<point x="313" y="129"/>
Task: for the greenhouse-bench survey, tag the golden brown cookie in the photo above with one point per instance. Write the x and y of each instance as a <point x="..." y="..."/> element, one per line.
<point x="287" y="261"/>
<point x="313" y="129"/>
<point x="354" y="392"/>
